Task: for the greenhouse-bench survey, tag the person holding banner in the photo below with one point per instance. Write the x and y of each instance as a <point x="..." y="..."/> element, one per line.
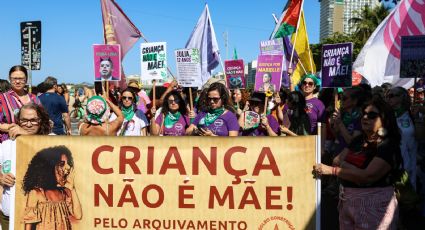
<point x="96" y="119"/>
<point x="135" y="121"/>
<point x="367" y="169"/>
<point x="309" y="86"/>
<point x="52" y="198"/>
<point x="219" y="119"/>
<point x="268" y="126"/>
<point x="14" y="99"/>
<point x="173" y="119"/>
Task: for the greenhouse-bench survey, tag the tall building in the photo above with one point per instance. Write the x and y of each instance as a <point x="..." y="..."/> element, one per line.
<point x="350" y="9"/>
<point x="331" y="17"/>
<point x="335" y="15"/>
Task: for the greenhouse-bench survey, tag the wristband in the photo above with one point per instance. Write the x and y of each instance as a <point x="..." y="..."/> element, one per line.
<point x="334" y="171"/>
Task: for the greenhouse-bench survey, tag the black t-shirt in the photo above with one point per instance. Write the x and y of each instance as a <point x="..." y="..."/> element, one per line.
<point x="361" y="156"/>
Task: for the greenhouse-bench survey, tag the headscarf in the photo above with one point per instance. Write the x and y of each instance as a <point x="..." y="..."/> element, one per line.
<point x="97" y="110"/>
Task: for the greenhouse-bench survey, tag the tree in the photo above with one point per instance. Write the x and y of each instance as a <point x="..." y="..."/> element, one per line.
<point x="366" y="21"/>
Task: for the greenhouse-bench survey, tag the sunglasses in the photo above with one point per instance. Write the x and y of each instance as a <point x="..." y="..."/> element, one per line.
<point x="127" y="98"/>
<point x="214" y="99"/>
<point x="309" y="83"/>
<point x="173" y="101"/>
<point x="370" y="115"/>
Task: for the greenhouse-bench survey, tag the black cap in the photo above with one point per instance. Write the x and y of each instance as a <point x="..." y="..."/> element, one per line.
<point x="258" y="97"/>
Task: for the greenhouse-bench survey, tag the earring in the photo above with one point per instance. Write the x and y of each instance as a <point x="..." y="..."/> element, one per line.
<point x="382" y="132"/>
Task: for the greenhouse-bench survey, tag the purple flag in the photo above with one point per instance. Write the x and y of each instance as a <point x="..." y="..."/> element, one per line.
<point x="203" y="38"/>
<point x="118" y="29"/>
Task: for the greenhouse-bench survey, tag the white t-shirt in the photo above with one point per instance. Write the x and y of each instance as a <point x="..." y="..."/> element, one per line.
<point x="8" y="163"/>
<point x="134" y="126"/>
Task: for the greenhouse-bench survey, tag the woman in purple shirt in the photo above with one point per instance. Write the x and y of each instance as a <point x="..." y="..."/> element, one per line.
<point x="173" y="120"/>
<point x="219" y="119"/>
<point x="315" y="109"/>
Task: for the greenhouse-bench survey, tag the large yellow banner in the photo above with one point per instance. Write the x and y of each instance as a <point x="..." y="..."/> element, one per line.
<point x="165" y="182"/>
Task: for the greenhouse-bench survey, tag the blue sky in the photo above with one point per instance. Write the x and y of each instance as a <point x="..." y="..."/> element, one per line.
<point x="70" y="28"/>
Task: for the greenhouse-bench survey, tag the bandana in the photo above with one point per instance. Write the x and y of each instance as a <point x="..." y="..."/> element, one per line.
<point x="97" y="110"/>
<point x="212" y="115"/>
<point x="171" y="119"/>
<point x="128" y="112"/>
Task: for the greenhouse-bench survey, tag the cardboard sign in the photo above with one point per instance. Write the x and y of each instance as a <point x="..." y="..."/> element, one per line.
<point x="107" y="62"/>
<point x="31" y="44"/>
<point x="154" y="61"/>
<point x="235" y="74"/>
<point x="166" y="182"/>
<point x="337" y="65"/>
<point x="412" y="57"/>
<point x="269" y="73"/>
<point x="188" y="65"/>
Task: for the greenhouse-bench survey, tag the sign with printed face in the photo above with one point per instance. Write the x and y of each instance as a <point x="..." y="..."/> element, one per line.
<point x="154" y="62"/>
<point x="107" y="62"/>
<point x="337" y="65"/>
<point x="269" y="73"/>
<point x="164" y="183"/>
<point x="188" y="62"/>
<point x="235" y="74"/>
<point x="31" y="44"/>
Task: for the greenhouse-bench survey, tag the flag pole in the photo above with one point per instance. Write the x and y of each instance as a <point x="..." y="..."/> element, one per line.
<point x="296" y="35"/>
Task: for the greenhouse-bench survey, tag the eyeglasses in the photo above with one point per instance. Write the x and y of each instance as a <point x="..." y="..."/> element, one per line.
<point x="370" y="115"/>
<point x="170" y="101"/>
<point x="127" y="98"/>
<point x="309" y="83"/>
<point x="214" y="99"/>
<point x="15" y="79"/>
<point x="391" y="95"/>
<point x="30" y="121"/>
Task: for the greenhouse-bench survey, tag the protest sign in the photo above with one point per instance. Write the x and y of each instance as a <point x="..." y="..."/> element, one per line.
<point x="107" y="62"/>
<point x="337" y="65"/>
<point x="168" y="182"/>
<point x="272" y="47"/>
<point x="251" y="120"/>
<point x="31" y="44"/>
<point x="154" y="62"/>
<point x="412" y="57"/>
<point x="269" y="73"/>
<point x="188" y="65"/>
<point x="235" y="74"/>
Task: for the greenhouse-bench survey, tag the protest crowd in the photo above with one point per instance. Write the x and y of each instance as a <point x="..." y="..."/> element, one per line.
<point x="372" y="168"/>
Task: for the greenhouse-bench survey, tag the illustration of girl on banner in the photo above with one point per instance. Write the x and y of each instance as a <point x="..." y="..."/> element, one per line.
<point x="52" y="200"/>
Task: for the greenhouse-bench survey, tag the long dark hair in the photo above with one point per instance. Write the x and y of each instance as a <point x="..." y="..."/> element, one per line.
<point x="176" y="95"/>
<point x="133" y="102"/>
<point x="45" y="127"/>
<point x="41" y="170"/>
<point x="300" y="123"/>
<point x="224" y="95"/>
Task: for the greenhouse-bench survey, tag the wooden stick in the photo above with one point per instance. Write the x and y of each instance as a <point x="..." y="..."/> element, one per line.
<point x="265" y="105"/>
<point x="153" y="93"/>
<point x="190" y="99"/>
<point x="336" y="99"/>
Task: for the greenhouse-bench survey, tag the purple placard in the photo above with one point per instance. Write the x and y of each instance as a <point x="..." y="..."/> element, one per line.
<point x="235" y="74"/>
<point x="269" y="73"/>
<point x="337" y="65"/>
<point x="107" y="62"/>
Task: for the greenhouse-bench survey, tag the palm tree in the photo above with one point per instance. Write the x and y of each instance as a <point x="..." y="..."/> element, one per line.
<point x="367" y="20"/>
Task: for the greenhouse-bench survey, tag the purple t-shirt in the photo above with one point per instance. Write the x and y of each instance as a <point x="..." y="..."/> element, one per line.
<point x="222" y="125"/>
<point x="178" y="129"/>
<point x="354" y="125"/>
<point x="315" y="111"/>
<point x="260" y="131"/>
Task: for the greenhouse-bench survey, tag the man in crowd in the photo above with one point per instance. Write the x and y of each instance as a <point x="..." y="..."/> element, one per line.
<point x="56" y="107"/>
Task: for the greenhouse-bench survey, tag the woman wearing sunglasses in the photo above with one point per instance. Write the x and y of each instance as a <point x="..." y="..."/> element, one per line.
<point x="218" y="119"/>
<point x="367" y="195"/>
<point x="268" y="125"/>
<point x="398" y="98"/>
<point x="315" y="108"/>
<point x="135" y="121"/>
<point x="173" y="120"/>
<point x="299" y="123"/>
